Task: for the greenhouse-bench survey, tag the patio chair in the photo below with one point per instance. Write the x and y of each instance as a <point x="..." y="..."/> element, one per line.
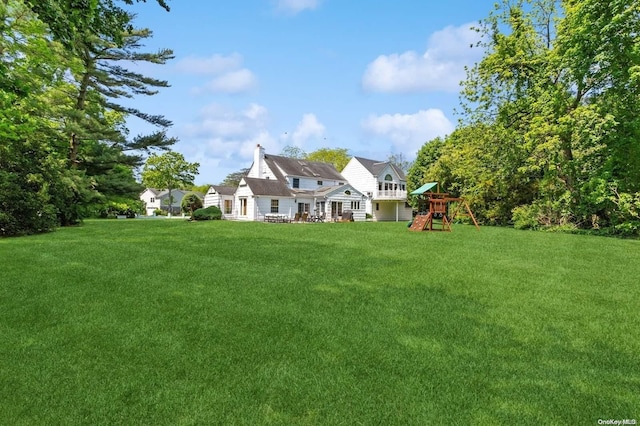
<point x="304" y="217"/>
<point x="296" y="217"/>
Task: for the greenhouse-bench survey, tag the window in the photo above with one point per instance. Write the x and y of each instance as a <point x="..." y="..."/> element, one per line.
<point x="227" y="206"/>
<point x="377" y="206"/>
<point x="303" y="207"/>
<point x="296" y="182"/>
<point x="388" y="178"/>
<point x="355" y="205"/>
<point x="274" y="206"/>
<point x="153" y="200"/>
<point x="243" y="206"/>
<point x="347" y="192"/>
<point x="379" y="186"/>
<point x="319" y="183"/>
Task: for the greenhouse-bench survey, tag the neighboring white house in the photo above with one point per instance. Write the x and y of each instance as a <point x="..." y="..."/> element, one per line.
<point x="221" y="197"/>
<point x="151" y="201"/>
<point x="158" y="199"/>
<point x="286" y="186"/>
<point x="384" y="185"/>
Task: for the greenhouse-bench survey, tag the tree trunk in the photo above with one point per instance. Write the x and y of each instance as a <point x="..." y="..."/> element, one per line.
<point x="80" y="105"/>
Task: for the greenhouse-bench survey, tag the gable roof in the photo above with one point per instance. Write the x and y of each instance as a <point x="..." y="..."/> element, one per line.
<point x="376" y="167"/>
<point x="267" y="187"/>
<point x="325" y="191"/>
<point x="224" y="190"/>
<point x="154" y="191"/>
<point x="328" y="191"/>
<point x="302" y="168"/>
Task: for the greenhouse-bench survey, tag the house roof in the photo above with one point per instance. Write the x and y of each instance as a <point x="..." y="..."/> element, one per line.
<point x="224" y="190"/>
<point x="267" y="187"/>
<point x="174" y="193"/>
<point x="154" y="191"/>
<point x="376" y="167"/>
<point x="302" y="168"/>
<point x="341" y="188"/>
<point x="324" y="191"/>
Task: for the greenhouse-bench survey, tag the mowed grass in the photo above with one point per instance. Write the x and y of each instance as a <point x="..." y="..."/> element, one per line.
<point x="169" y="322"/>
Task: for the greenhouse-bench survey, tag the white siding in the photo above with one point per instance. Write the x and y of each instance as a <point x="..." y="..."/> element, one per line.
<point x="150" y="206"/>
<point x="359" y="177"/>
<point x="387" y="211"/>
<point x="211" y="199"/>
<point x="244" y="192"/>
<point x="286" y="206"/>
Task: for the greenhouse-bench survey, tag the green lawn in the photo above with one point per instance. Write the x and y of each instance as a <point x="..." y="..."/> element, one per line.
<point x="169" y="322"/>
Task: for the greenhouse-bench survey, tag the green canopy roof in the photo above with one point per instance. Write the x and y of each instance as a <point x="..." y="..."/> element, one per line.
<point x="424" y="188"/>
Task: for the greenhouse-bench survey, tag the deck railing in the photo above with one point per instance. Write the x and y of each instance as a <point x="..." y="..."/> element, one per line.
<point x="390" y="194"/>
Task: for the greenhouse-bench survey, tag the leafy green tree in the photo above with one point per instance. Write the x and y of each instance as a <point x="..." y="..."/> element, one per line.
<point x="339" y="157"/>
<point x="293" y="152"/>
<point x="551" y="124"/>
<point x="202" y="189"/>
<point x="420" y="171"/>
<point x="233" y="179"/>
<point x="400" y="161"/>
<point x="191" y="202"/>
<point x="102" y="80"/>
<point x="169" y="170"/>
<point x="69" y="18"/>
<point x="37" y="190"/>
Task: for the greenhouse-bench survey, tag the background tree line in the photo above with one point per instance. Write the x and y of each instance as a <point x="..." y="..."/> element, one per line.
<point x="550" y="134"/>
<point x="66" y="152"/>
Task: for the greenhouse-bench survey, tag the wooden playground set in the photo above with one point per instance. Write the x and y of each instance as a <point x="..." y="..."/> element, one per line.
<point x="435" y="209"/>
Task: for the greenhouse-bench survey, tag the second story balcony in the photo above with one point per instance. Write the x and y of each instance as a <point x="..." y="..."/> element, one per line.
<point x="390" y="194"/>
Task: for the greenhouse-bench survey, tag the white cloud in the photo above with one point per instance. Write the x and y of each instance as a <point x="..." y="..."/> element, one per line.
<point x="232" y="82"/>
<point x="218" y="122"/>
<point x="307" y="130"/>
<point x="215" y="64"/>
<point x="296" y="6"/>
<point x="440" y="67"/>
<point x="225" y="139"/>
<point x="228" y="74"/>
<point x="408" y="132"/>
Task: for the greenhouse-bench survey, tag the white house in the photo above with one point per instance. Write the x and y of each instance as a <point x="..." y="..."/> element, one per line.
<point x="159" y="199"/>
<point x="221" y="197"/>
<point x="151" y="201"/>
<point x="286" y="186"/>
<point x="384" y="185"/>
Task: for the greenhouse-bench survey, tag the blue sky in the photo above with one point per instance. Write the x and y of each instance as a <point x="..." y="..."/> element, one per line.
<point x="376" y="77"/>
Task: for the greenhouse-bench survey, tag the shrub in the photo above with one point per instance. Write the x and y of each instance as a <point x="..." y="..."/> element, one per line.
<point x="160" y="212"/>
<point x="191" y="202"/>
<point x="525" y="217"/>
<point x="210" y="213"/>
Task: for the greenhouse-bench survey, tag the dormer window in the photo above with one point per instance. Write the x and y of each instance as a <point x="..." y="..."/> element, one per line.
<point x="347" y="192"/>
<point x="296" y="183"/>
